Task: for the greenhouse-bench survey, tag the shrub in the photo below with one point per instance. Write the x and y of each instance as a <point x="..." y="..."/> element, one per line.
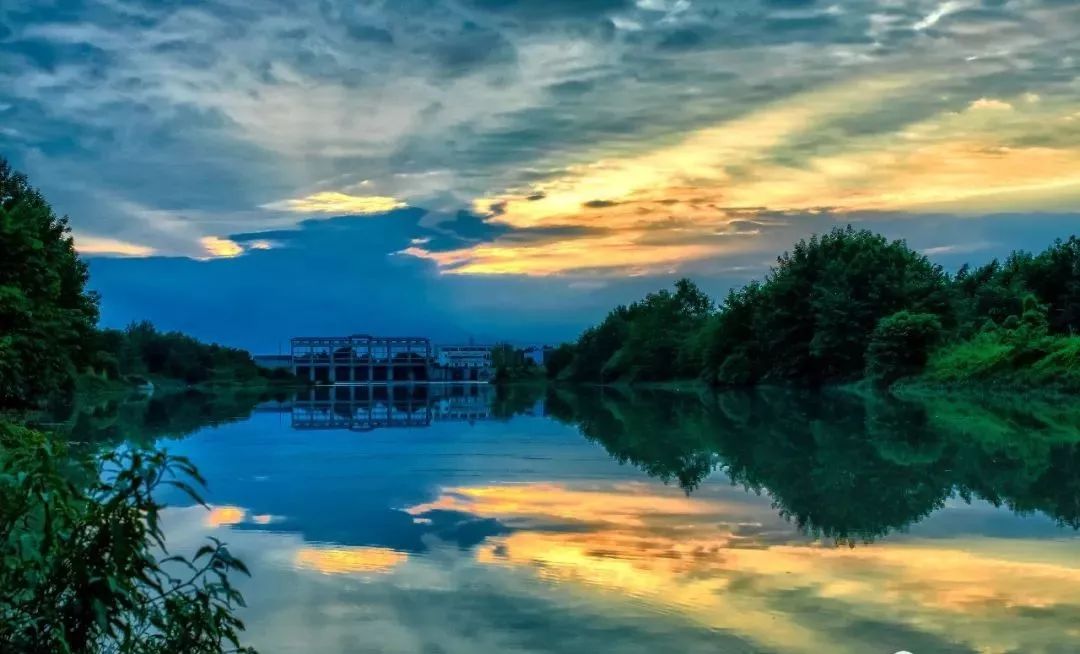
<point x="79" y="566"/>
<point x="900" y="345"/>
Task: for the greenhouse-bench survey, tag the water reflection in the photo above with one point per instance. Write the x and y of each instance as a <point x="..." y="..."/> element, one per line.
<point x="492" y="525"/>
<point x="143" y="419"/>
<point x="365" y="408"/>
<point x="842" y="466"/>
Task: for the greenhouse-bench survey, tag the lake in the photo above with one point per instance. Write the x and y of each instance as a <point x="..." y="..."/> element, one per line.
<point x="470" y="519"/>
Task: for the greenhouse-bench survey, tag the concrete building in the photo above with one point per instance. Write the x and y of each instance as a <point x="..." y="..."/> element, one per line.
<point x="361" y="359"/>
<point x="365" y="359"/>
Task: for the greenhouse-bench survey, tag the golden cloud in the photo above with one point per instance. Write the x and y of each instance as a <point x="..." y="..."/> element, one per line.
<point x="988" y="153"/>
<point x="333" y="202"/>
<point x="99" y="245"/>
<point x="216" y="246"/>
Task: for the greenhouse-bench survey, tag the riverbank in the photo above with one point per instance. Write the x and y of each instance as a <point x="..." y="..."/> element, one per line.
<point x="89" y="384"/>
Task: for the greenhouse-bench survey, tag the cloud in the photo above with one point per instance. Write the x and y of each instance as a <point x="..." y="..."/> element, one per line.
<point x="330" y="202"/>
<point x="990" y="104"/>
<point x="94" y="245"/>
<point x="965" y="161"/>
<point x="169" y="126"/>
<point x="496" y="92"/>
<point x="221" y="247"/>
<point x="939" y="12"/>
<point x="220" y="516"/>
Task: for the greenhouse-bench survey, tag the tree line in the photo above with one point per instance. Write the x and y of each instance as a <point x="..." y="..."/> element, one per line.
<point x="844" y="306"/>
<point x="144" y="351"/>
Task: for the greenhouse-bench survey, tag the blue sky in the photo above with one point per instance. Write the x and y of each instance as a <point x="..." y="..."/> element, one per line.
<point x="252" y="170"/>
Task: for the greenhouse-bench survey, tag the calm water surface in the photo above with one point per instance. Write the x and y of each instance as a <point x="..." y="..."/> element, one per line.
<point x="461" y="520"/>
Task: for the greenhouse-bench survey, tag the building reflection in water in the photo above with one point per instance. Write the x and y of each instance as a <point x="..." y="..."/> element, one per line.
<point x="369" y="407"/>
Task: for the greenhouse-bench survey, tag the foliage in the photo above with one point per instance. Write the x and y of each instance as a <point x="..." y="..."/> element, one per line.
<point x="653" y="339"/>
<point x="142" y="350"/>
<point x="80" y="570"/>
<point x="659" y="344"/>
<point x="598" y="344"/>
<point x="1020" y="353"/>
<point x="46" y="314"/>
<point x="811" y="320"/>
<point x="900" y="346"/>
<point x="1053" y="276"/>
<point x="559" y="359"/>
<point x="844" y="305"/>
<point x="512" y="364"/>
<point x="80" y="540"/>
<point x="48" y="318"/>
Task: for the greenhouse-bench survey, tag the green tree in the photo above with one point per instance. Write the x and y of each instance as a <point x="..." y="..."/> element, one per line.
<point x="730" y="344"/>
<point x="660" y="343"/>
<point x="559" y="359"/>
<point x="811" y="320"/>
<point x="143" y="350"/>
<point x="900" y="346"/>
<point x="597" y="344"/>
<point x="1054" y="277"/>
<point x="47" y="316"/>
<point x="80" y="540"/>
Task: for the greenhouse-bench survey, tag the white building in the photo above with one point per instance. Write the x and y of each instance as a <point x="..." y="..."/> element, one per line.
<point x="464" y="356"/>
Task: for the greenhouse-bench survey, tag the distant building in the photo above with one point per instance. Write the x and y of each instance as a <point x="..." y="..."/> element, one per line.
<point x="361" y="359"/>
<point x="464" y="356"/>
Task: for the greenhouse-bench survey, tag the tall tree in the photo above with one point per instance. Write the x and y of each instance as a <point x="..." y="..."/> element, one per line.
<point x="47" y="316"/>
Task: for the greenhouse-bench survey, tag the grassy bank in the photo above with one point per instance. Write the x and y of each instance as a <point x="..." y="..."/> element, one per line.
<point x="1006" y="360"/>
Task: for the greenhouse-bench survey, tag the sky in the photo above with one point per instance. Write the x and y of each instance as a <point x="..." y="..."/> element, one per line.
<point x="252" y="170"/>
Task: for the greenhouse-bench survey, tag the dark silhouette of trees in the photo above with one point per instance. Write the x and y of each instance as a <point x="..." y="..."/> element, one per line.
<point x="653" y="339"/>
<point x="47" y="316"/>
<point x="142" y="350"/>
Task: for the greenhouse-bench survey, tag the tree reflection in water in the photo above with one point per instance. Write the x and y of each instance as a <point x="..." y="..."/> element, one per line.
<point x="842" y="466"/>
